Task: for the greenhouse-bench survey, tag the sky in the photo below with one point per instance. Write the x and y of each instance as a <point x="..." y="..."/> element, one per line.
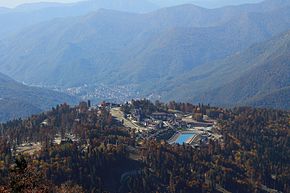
<point x="206" y="3"/>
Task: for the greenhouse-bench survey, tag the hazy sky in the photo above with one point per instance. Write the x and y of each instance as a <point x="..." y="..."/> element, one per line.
<point x="13" y="3"/>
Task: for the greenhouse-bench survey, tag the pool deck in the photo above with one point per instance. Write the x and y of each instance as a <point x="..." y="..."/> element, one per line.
<point x="196" y="132"/>
<point x="175" y="137"/>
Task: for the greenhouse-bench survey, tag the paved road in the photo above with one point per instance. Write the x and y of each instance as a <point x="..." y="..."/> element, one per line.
<point x="119" y="115"/>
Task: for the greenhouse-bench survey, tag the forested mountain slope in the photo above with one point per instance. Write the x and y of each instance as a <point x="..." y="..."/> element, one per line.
<point x="97" y="153"/>
<point x="183" y="53"/>
<point x="18" y="100"/>
<point x="156" y="46"/>
<point x="254" y="77"/>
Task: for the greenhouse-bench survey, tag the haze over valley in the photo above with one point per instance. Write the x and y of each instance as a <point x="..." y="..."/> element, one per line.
<point x="145" y="96"/>
<point x="185" y="52"/>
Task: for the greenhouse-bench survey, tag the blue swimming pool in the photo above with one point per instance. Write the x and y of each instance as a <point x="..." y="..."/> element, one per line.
<point x="184" y="137"/>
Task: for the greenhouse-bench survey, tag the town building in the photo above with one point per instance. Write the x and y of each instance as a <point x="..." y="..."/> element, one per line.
<point x="162" y="116"/>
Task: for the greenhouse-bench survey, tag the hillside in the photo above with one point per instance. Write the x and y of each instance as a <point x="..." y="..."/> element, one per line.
<point x="17" y="100"/>
<point x="152" y="47"/>
<point x="185" y="53"/>
<point x="259" y="76"/>
<point x="278" y="99"/>
<point x="93" y="151"/>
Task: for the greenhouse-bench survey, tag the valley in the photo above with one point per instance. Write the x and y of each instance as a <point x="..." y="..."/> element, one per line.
<point x="101" y="92"/>
<point x="146" y="96"/>
<point x="193" y="60"/>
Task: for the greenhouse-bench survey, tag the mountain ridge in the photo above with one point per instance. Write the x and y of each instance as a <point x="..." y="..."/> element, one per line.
<point x="157" y="52"/>
<point x="149" y="43"/>
<point x="27" y="15"/>
<point x="18" y="100"/>
<point x="261" y="71"/>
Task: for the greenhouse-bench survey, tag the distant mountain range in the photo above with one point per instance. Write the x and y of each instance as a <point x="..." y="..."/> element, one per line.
<point x="154" y="46"/>
<point x="27" y="15"/>
<point x="185" y="53"/>
<point x="203" y="3"/>
<point x="18" y="100"/>
<point x="30" y="14"/>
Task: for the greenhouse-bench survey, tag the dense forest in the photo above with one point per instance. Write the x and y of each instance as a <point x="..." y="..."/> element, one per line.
<point x="97" y="153"/>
